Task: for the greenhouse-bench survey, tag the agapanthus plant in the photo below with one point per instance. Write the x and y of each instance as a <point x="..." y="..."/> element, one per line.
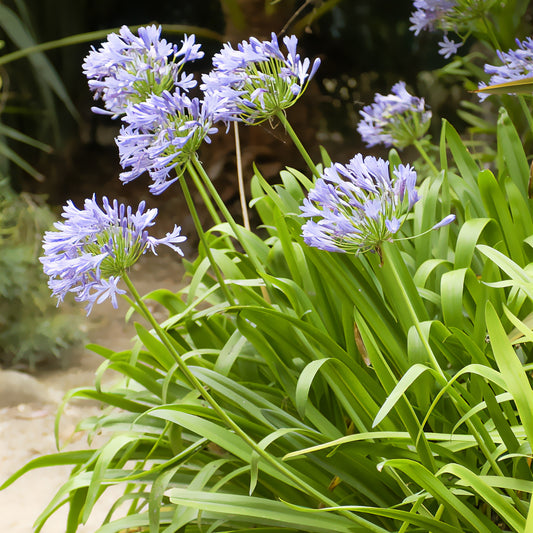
<point x="356" y="207"/>
<point x="516" y="65"/>
<point x="164" y="132"/>
<point x="91" y="250"/>
<point x="258" y="78"/>
<point x="397" y="119"/>
<point x="128" y="68"/>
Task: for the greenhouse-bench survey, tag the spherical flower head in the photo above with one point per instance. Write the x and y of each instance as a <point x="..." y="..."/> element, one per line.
<point x="356" y="207"/>
<point x="258" y="78"/>
<point x="163" y="133"/>
<point x="397" y="119"/>
<point x="89" y="252"/>
<point x="127" y="68"/>
<point x="516" y="65"/>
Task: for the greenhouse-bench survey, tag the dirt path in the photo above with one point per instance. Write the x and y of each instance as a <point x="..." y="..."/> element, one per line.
<point x="28" y="405"/>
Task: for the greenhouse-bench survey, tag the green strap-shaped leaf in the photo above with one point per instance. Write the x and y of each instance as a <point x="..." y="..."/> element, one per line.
<point x="516" y="380"/>
<point x="55" y="459"/>
<point x="512" y="151"/>
<point x="268" y="512"/>
<point x="18" y="33"/>
<point x="428" y="481"/>
<point x="523" y="86"/>
<point x="501" y="505"/>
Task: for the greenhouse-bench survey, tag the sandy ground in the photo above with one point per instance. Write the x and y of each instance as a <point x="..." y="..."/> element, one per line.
<point x="28" y="405"/>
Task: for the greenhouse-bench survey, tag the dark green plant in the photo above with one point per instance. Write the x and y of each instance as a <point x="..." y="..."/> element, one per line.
<point x="32" y="329"/>
<point x="333" y="393"/>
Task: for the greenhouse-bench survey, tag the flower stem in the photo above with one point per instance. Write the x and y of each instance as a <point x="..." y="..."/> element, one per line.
<point x="203" y="240"/>
<point x="207" y="202"/>
<point x="418" y="145"/>
<point x="231" y="221"/>
<point x="242" y="194"/>
<point x="196" y="384"/>
<point x="205" y="197"/>
<point x="490" y="33"/>
<point x="527" y="112"/>
<point x="223" y="209"/>
<point x="292" y="134"/>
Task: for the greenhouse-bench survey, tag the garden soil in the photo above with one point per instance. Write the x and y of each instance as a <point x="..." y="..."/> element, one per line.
<point x="29" y="402"/>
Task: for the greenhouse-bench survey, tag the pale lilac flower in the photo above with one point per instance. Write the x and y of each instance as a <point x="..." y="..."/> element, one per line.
<point x="163" y="133"/>
<point x="444" y="222"/>
<point x="128" y="68"/>
<point x="517" y="65"/>
<point x="396" y="119"/>
<point x="355" y="208"/>
<point x="89" y="252"/>
<point x="258" y="78"/>
<point x="448" y="47"/>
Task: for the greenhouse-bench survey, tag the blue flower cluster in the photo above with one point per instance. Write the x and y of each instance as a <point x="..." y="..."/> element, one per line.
<point x="89" y="252"/>
<point x="517" y="65"/>
<point x="162" y="133"/>
<point x="128" y="68"/>
<point x="356" y="207"/>
<point x="140" y="78"/>
<point x="258" y="78"/>
<point x="397" y="119"/>
<point x="134" y="75"/>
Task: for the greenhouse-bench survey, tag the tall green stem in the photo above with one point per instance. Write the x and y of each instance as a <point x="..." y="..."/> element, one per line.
<point x="490" y="33"/>
<point x="195" y="383"/>
<point x="203" y="240"/>
<point x="195" y="164"/>
<point x="207" y="202"/>
<point x="292" y="134"/>
<point x="425" y="156"/>
<point x="231" y="221"/>
<point x="205" y="197"/>
<point x="240" y="179"/>
<point x="526" y="111"/>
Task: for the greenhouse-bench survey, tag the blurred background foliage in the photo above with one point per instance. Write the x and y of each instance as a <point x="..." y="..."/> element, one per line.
<point x="32" y="331"/>
<point x="366" y="46"/>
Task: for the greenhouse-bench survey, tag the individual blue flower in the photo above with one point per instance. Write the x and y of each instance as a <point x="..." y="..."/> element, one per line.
<point x="517" y="65"/>
<point x="89" y="252"/>
<point x="258" y="78"/>
<point x="397" y="119"/>
<point x="128" y="68"/>
<point x="356" y="207"/>
<point x="163" y="133"/>
<point x="448" y="47"/>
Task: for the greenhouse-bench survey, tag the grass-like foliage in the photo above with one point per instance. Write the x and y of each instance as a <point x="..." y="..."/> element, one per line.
<point x="293" y="389"/>
<point x="385" y="397"/>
